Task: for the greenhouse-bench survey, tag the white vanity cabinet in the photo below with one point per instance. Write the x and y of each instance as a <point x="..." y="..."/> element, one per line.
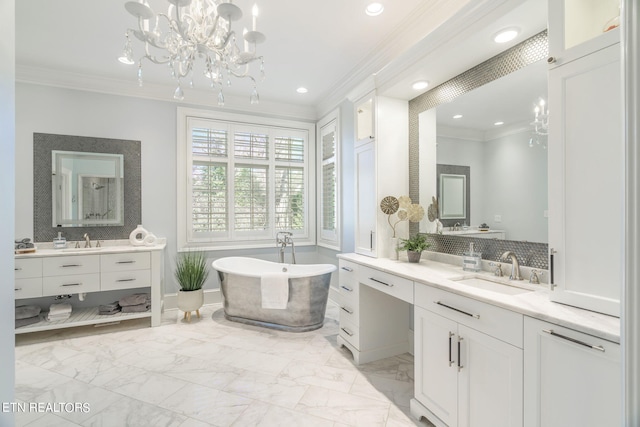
<point x="49" y="273"/>
<point x="468" y="361"/>
<point x="381" y="164"/>
<point x="586" y="157"/>
<point x="572" y="379"/>
<point x="374" y="312"/>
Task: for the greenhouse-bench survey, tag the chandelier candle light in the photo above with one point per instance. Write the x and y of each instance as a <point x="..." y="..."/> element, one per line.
<point x="192" y="30"/>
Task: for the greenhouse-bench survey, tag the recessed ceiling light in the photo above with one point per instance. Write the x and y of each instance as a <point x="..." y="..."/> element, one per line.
<point x="302" y="90"/>
<point x="422" y="84"/>
<point x="457" y="116"/>
<point x="498" y="123"/>
<point x="506" y="35"/>
<point x="374" y="9"/>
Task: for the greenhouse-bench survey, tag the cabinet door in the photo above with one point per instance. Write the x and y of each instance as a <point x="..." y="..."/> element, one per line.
<point x="436" y="370"/>
<point x="577" y="28"/>
<point x="489" y="381"/>
<point x="366" y="200"/>
<point x="567" y="382"/>
<point x="586" y="181"/>
<point x="365" y="119"/>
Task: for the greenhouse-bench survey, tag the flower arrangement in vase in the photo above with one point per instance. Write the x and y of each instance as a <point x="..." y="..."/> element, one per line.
<point x="404" y="210"/>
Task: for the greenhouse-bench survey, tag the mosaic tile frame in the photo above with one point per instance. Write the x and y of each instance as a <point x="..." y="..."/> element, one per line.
<point x="43" y="144"/>
<point x="533" y="49"/>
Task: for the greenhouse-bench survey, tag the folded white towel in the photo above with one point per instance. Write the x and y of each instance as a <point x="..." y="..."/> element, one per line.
<point x="61" y="316"/>
<point x="274" y="288"/>
<point x="60" y="308"/>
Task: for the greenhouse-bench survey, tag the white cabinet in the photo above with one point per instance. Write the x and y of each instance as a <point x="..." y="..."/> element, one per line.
<point x="50" y="273"/>
<point x="468" y="361"/>
<point x="374" y="312"/>
<point x="381" y="162"/>
<point x="577" y="28"/>
<point x="572" y="379"/>
<point x="586" y="181"/>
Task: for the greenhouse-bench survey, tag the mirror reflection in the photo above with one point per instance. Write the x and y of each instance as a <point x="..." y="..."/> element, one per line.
<point x="87" y="189"/>
<point x="491" y="131"/>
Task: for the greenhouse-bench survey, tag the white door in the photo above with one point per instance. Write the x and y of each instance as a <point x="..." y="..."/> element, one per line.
<point x="572" y="379"/>
<point x="436" y="370"/>
<point x="586" y="181"/>
<point x="489" y="382"/>
<point x="366" y="200"/>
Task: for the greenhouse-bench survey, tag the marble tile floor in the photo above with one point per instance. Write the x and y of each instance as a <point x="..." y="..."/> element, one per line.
<point x="210" y="372"/>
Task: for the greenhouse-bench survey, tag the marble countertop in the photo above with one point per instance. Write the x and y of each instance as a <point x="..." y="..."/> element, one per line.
<point x="45" y="249"/>
<point x="534" y="304"/>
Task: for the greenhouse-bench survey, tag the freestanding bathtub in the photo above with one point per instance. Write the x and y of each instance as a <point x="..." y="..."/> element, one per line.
<point x="240" y="279"/>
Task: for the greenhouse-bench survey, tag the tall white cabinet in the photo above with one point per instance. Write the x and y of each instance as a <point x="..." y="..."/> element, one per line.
<point x="586" y="156"/>
<point x="382" y="163"/>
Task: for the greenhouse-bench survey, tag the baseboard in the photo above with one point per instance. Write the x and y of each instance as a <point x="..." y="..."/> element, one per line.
<point x="211" y="296"/>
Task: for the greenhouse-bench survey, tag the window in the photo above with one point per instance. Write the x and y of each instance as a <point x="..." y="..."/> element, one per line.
<point x="328" y="224"/>
<point x="242" y="179"/>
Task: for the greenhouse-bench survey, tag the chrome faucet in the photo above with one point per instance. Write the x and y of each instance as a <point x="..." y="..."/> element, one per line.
<point x="284" y="238"/>
<point x="515" y="267"/>
<point x="87" y="241"/>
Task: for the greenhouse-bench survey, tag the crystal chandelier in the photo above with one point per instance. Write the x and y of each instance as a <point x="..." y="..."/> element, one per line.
<point x="540" y="125"/>
<point x="195" y="29"/>
<point x="541" y="120"/>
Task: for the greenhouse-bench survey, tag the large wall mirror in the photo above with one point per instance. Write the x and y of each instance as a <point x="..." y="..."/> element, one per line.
<point x="85" y="185"/>
<point x="489" y="132"/>
<point x="455" y="124"/>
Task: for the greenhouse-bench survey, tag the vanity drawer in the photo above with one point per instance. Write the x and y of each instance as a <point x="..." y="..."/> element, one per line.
<point x="28" y="267"/>
<point x="395" y="286"/>
<point x="125" y="262"/>
<point x="349" y="312"/>
<point x="497" y="322"/>
<point x="113" y="280"/>
<point x="348" y="272"/>
<point x="74" y="284"/>
<point x="28" y="288"/>
<point x="66" y="265"/>
<point x="350" y="333"/>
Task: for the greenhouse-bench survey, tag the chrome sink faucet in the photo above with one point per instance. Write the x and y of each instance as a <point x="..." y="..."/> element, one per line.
<point x="87" y="241"/>
<point x="515" y="266"/>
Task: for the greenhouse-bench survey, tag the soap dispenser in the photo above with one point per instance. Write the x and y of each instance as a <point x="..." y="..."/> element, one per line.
<point x="59" y="242"/>
<point x="472" y="260"/>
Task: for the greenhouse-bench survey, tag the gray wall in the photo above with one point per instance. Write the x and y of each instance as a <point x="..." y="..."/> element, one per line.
<point x="7" y="197"/>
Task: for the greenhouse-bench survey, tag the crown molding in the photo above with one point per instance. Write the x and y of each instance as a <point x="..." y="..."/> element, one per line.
<point x="159" y="92"/>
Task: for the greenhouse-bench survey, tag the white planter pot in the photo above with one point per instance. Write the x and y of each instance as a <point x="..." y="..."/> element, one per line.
<point x="189" y="301"/>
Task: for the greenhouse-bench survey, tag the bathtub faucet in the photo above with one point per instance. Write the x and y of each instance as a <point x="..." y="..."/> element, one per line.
<point x="283" y="239"/>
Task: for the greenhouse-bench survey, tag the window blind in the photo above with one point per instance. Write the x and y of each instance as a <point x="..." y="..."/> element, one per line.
<point x="289" y="201"/>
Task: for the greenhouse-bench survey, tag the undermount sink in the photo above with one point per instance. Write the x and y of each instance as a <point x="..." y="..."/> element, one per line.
<point x="485" y="283"/>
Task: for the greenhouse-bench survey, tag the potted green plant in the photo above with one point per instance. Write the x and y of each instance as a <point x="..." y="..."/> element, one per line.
<point x="414" y="246"/>
<point x="191" y="274"/>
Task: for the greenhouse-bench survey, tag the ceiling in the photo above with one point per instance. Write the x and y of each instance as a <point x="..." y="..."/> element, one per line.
<point x="328" y="49"/>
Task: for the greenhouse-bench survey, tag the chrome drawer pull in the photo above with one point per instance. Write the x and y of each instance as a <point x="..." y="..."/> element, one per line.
<point x="125" y="262"/>
<point x="126" y="280"/>
<point x="347" y="269"/>
<point x="71" y="265"/>
<point x="17" y="268"/>
<point x="477" y="316"/>
<point x="381" y="282"/>
<point x="72" y="284"/>
<point x="346" y="331"/>
<point x="451" y="334"/>
<point x="346" y="288"/>
<point x="347" y="310"/>
<point x="17" y="289"/>
<point x="459" y="364"/>
<point x="573" y="340"/>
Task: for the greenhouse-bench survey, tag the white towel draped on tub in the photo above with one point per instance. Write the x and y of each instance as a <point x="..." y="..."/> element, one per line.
<point x="274" y="288"/>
